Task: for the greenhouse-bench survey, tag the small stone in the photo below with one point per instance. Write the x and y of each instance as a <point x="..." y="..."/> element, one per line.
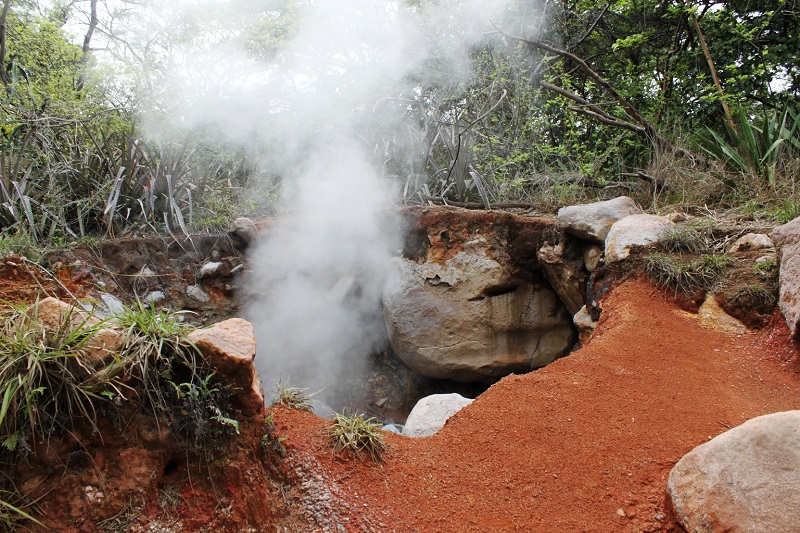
<point x="210" y="269"/>
<point x="237" y="269"/>
<point x="197" y="293"/>
<point x="381" y="403"/>
<point x="244" y="230"/>
<point x="155" y="297"/>
<point x="764" y="259"/>
<point x="592" y="257"/>
<point x="621" y="513"/>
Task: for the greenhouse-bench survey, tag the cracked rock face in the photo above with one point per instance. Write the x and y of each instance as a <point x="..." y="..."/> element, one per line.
<point x="469" y="315"/>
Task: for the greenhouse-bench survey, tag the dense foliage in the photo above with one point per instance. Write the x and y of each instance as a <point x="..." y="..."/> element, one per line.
<point x="672" y="101"/>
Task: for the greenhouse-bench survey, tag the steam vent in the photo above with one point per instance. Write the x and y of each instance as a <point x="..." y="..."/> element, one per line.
<point x="468" y="299"/>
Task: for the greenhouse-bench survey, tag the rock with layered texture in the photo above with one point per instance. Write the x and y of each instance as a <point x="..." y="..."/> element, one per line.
<point x="593" y="221"/>
<point x="468" y="301"/>
<point x="745" y="480"/>
<point x="787" y="252"/>
<point x="230" y="348"/>
<point x="635" y="230"/>
<point x="431" y="413"/>
<point x="563" y="266"/>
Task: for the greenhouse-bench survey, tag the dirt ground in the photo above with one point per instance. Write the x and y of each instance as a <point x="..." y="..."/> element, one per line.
<point x="585" y="444"/>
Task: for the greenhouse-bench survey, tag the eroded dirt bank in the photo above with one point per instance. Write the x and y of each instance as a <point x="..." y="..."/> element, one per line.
<point x="584" y="444"/>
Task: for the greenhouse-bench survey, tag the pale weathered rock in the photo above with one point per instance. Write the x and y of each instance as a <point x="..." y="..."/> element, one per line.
<point x="593" y="221"/>
<point x="230" y="348"/>
<point x="244" y="230"/>
<point x="566" y="274"/>
<point x="155" y="297"/>
<point x="789" y="287"/>
<point x="469" y="319"/>
<point x="210" y="269"/>
<point x="713" y="316"/>
<point x="197" y="293"/>
<point x="787" y="252"/>
<point x="635" y="230"/>
<point x="752" y="241"/>
<point x="592" y="257"/>
<point x="745" y="480"/>
<point x="431" y="413"/>
<point x="583" y="321"/>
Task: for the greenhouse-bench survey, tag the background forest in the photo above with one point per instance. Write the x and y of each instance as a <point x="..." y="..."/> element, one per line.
<point x="561" y="101"/>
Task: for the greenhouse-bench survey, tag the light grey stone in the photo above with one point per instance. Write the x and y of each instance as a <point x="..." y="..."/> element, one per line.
<point x="245" y="230"/>
<point x="392" y="428"/>
<point x="583" y="321"/>
<point x="197" y="293"/>
<point x="431" y="413"/>
<point x="745" y="480"/>
<point x="592" y="257"/>
<point x="635" y="230"/>
<point x="155" y="297"/>
<point x="752" y="241"/>
<point x="209" y="269"/>
<point x="593" y="221"/>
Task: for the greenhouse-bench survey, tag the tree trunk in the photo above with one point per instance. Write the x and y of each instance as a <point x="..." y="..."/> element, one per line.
<point x="4" y="77"/>
<point x="87" y="50"/>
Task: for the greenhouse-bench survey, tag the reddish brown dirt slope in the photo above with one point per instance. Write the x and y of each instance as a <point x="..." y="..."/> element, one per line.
<point x="584" y="444"/>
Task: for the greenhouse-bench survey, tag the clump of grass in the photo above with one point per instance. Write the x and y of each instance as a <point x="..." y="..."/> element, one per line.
<point x="687" y="275"/>
<point x="46" y="386"/>
<point x="766" y="269"/>
<point x="293" y="398"/>
<point x="357" y="435"/>
<point x="176" y="382"/>
<point x="688" y="240"/>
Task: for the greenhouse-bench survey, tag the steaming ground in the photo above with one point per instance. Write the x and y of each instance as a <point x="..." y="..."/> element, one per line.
<point x="319" y="110"/>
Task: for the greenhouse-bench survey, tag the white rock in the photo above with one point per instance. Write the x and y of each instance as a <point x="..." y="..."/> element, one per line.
<point x="583" y="321"/>
<point x="432" y="412"/>
<point x="593" y="221"/>
<point x="209" y="269"/>
<point x="197" y="293"/>
<point x="155" y="297"/>
<point x="752" y="241"/>
<point x="745" y="480"/>
<point x="635" y="230"/>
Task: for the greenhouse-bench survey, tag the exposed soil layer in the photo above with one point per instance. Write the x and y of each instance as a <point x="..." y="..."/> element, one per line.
<point x="585" y="444"/>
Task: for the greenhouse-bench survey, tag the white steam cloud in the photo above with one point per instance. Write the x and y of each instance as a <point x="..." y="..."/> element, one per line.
<point x="317" y="277"/>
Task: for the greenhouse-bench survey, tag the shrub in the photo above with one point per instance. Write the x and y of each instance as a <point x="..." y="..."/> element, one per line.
<point x="357" y="435"/>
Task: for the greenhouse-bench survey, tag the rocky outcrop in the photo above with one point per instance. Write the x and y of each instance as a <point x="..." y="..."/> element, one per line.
<point x="230" y="349"/>
<point x="563" y="266"/>
<point x="431" y="413"/>
<point x="635" y="230"/>
<point x="592" y="222"/>
<point x="468" y="301"/>
<point x="787" y="249"/>
<point x="745" y="480"/>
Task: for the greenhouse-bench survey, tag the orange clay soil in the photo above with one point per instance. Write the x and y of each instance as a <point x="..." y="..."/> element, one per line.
<point x="585" y="444"/>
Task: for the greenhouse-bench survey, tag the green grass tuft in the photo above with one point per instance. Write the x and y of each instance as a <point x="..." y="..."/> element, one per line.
<point x="687" y="275"/>
<point x="357" y="435"/>
<point x="293" y="398"/>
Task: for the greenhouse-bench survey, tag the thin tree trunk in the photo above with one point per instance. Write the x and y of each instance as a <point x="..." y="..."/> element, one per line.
<point x="4" y="77"/>
<point x="707" y="53"/>
<point x="87" y="50"/>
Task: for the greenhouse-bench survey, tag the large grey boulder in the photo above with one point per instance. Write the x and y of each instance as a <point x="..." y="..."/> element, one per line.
<point x="787" y="249"/>
<point x="593" y="221"/>
<point x="745" y="480"/>
<point x="431" y="413"/>
<point x="468" y="300"/>
<point x="635" y="230"/>
<point x="470" y="319"/>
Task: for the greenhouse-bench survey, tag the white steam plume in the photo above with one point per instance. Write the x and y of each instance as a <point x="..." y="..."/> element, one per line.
<point x="318" y="275"/>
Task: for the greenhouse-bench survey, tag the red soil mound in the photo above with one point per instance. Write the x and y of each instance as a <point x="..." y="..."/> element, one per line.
<point x="584" y="444"/>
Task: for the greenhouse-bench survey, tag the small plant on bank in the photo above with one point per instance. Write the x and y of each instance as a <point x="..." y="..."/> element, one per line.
<point x="357" y="435"/>
<point x="270" y="441"/>
<point x="293" y="398"/>
<point x="687" y="275"/>
<point x="766" y="269"/>
<point x="176" y="382"/>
